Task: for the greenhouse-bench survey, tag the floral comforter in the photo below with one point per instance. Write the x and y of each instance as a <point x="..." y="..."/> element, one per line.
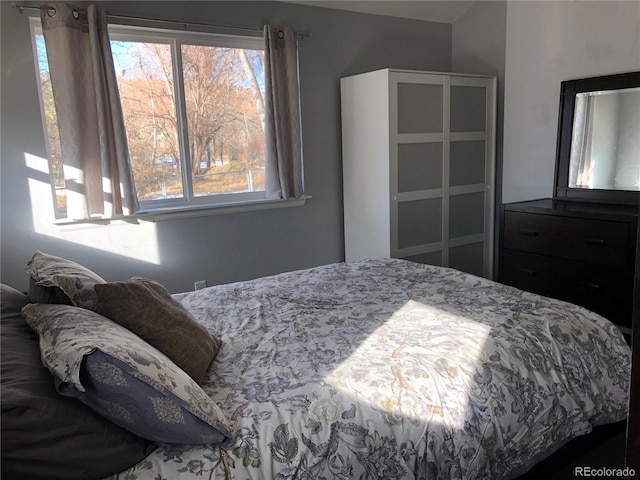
<point x="387" y="369"/>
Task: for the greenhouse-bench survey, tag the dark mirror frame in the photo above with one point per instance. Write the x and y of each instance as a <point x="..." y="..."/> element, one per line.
<point x="568" y="91"/>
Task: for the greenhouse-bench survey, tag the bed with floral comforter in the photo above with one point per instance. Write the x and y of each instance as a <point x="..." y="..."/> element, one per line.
<point x="387" y="369"/>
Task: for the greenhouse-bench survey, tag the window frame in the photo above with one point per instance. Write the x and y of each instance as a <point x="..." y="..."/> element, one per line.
<point x="175" y="39"/>
<point x="191" y="204"/>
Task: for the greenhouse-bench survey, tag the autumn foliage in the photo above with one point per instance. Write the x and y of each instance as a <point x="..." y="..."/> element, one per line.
<point x="220" y="98"/>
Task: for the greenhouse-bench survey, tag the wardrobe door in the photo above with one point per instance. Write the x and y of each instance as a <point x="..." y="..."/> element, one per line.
<point x="441" y="170"/>
<point x="469" y="237"/>
<point x="417" y="145"/>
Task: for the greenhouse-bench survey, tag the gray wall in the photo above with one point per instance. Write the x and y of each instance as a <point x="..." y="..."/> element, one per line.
<point x="548" y="42"/>
<point x="221" y="248"/>
<point x="479" y="46"/>
<point x="532" y="46"/>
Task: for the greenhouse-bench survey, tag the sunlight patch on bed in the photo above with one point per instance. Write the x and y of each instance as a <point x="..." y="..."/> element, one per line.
<point x="420" y="364"/>
<point x="138" y="241"/>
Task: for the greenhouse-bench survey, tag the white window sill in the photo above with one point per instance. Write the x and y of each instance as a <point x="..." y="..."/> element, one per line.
<point x="172" y="213"/>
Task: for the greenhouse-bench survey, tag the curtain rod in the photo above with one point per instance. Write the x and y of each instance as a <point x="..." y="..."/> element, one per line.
<point x="183" y="25"/>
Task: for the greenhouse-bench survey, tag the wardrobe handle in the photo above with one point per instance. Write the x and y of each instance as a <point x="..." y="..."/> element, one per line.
<point x="590" y="285"/>
<point x="529" y="233"/>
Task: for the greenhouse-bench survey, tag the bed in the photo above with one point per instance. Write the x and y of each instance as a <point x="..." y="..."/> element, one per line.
<point x="378" y="369"/>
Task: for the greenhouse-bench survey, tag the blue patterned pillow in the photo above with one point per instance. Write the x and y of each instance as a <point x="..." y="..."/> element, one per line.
<point x="123" y="378"/>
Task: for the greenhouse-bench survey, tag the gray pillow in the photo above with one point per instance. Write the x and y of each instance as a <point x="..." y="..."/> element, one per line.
<point x="74" y="280"/>
<point x="45" y="435"/>
<point x="147" y="309"/>
<point x="124" y="378"/>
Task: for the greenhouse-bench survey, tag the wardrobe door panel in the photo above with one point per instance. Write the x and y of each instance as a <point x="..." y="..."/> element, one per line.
<point x="419" y="166"/>
<point x="468" y="108"/>
<point x="419" y="222"/>
<point x="419" y="108"/>
<point x="467" y="163"/>
<point x="466" y="215"/>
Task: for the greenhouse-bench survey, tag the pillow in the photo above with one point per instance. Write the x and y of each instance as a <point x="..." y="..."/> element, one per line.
<point x="39" y="294"/>
<point x="124" y="378"/>
<point x="147" y="309"/>
<point x="11" y="302"/>
<point x="45" y="435"/>
<point x="74" y="280"/>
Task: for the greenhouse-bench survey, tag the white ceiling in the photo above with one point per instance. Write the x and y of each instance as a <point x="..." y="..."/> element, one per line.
<point x="444" y="11"/>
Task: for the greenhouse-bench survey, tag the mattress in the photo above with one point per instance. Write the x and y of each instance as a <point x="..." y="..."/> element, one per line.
<point x="388" y="369"/>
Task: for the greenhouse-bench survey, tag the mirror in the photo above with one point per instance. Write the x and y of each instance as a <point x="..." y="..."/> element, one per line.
<point x="598" y="156"/>
<point x="605" y="143"/>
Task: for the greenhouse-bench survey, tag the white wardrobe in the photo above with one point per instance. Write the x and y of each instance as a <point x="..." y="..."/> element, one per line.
<point x="418" y="153"/>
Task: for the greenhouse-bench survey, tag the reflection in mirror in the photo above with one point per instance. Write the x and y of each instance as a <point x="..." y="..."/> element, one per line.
<point x="605" y="141"/>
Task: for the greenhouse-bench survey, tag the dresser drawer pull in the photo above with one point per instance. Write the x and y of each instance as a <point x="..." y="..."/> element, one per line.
<point x="590" y="285"/>
<point x="595" y="241"/>
<point x="529" y="233"/>
<point x="528" y="271"/>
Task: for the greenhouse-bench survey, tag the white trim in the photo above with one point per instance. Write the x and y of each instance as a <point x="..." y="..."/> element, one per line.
<point x="394" y="142"/>
<point x="419" y="137"/>
<point x="409" y="76"/>
<point x="158" y="215"/>
<point x="419" y="195"/>
<point x="141" y="32"/>
<point x="436" y="74"/>
<point x="446" y="166"/>
<point x="231" y="207"/>
<point x="182" y="129"/>
<point x="466" y="189"/>
<point x="490" y="175"/>
<point x="222" y="198"/>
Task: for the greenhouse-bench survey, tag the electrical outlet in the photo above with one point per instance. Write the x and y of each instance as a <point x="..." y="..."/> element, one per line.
<point x="200" y="285"/>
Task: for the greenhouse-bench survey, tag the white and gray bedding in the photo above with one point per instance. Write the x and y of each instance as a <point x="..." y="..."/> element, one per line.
<point x="387" y="369"/>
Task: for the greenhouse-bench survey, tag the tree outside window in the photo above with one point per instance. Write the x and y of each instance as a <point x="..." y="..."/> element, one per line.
<point x="193" y="112"/>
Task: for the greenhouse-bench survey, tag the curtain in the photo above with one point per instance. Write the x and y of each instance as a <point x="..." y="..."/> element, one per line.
<point x="580" y="161"/>
<point x="98" y="175"/>
<point x="283" y="163"/>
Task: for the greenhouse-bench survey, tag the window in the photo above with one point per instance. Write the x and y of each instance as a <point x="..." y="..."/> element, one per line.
<point x="193" y="112"/>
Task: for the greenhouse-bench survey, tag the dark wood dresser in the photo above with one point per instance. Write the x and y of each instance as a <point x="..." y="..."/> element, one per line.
<point x="580" y="252"/>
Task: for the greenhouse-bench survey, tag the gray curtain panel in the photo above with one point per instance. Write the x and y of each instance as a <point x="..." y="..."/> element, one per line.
<point x="98" y="175"/>
<point x="283" y="163"/>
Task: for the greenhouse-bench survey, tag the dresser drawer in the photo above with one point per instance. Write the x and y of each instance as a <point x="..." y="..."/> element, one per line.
<point x="594" y="241"/>
<point x="607" y="291"/>
<point x="530" y="272"/>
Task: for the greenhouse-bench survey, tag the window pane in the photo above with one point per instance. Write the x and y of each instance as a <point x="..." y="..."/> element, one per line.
<point x="145" y="79"/>
<point x="51" y="125"/>
<point x="224" y="92"/>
